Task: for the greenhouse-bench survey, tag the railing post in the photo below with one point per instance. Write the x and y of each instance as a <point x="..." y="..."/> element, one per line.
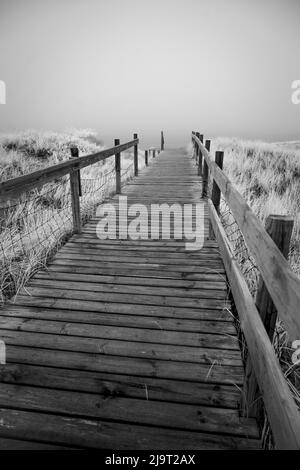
<point x="205" y="172"/>
<point x="162" y="141"/>
<point x="199" y="153"/>
<point x="216" y="193"/>
<point x="146" y="157"/>
<point x="136" y="161"/>
<point x="118" y="168"/>
<point x="280" y="228"/>
<point x="75" y="187"/>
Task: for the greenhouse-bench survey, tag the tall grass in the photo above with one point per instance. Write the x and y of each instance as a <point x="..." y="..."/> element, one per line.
<point x="268" y="176"/>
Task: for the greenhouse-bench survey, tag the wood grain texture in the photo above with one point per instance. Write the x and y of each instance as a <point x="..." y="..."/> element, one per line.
<point x="127" y="344"/>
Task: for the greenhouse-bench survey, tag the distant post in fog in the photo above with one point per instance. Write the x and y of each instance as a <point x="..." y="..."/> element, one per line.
<point x="162" y="141"/>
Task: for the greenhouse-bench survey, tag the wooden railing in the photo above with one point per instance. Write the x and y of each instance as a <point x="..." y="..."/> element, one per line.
<point x="12" y="189"/>
<point x="278" y="285"/>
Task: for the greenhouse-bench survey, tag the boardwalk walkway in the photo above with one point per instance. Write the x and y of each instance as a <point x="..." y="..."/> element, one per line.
<point x="126" y="344"/>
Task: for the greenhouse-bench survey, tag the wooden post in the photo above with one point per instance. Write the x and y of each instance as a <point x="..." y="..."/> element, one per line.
<point x="146" y="157"/>
<point x="205" y="172"/>
<point x="199" y="154"/>
<point x="216" y="193"/>
<point x="75" y="187"/>
<point x="136" y="161"/>
<point x="118" y="168"/>
<point x="280" y="228"/>
<point x="162" y="141"/>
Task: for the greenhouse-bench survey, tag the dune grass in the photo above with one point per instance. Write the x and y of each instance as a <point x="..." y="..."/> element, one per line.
<point x="38" y="222"/>
<point x="268" y="176"/>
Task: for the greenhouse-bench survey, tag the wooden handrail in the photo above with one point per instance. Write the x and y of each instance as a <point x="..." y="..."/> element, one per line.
<point x="282" y="283"/>
<point x="13" y="188"/>
<point x="262" y="367"/>
<point x="281" y="408"/>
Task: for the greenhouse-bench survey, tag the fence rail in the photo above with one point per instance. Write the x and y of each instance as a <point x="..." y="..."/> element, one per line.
<point x="278" y="284"/>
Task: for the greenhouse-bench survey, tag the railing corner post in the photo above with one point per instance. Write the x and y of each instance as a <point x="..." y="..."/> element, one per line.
<point x="205" y="172"/>
<point x="280" y="228"/>
<point x="162" y="141"/>
<point x="75" y="187"/>
<point x="216" y="193"/>
<point x="136" y="161"/>
<point x="118" y="168"/>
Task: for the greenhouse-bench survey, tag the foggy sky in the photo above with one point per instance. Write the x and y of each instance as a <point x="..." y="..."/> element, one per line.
<point x="223" y="67"/>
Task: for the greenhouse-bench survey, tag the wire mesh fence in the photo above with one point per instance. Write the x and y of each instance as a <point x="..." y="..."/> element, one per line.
<point x="35" y="225"/>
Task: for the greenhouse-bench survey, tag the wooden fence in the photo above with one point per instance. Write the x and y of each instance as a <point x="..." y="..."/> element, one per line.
<point x="278" y="285"/>
<point x="12" y="189"/>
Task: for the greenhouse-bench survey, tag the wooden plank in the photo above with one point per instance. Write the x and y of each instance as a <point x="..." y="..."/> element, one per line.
<point x="165" y="337"/>
<point x="199" y="325"/>
<point x="212" y="373"/>
<point x="216" y="314"/>
<point x="85" y="286"/>
<point x="14" y="444"/>
<point x="95" y="434"/>
<point x="158" y="272"/>
<point x="145" y="412"/>
<point x="108" y="384"/>
<point x="151" y="350"/>
<point x="64" y="273"/>
<point x="186" y="263"/>
<point x="139" y="299"/>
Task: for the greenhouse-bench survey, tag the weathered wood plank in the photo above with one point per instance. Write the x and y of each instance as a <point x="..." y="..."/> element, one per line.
<point x="205" y="302"/>
<point x="108" y="384"/>
<point x="113" y="347"/>
<point x="145" y="412"/>
<point x="203" y="312"/>
<point x="95" y="434"/>
<point x="84" y="285"/>
<point x="213" y="373"/>
<point x="121" y="333"/>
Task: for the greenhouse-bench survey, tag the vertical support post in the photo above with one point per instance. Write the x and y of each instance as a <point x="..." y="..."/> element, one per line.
<point x="205" y="172"/>
<point x="136" y="164"/>
<point x="118" y="168"/>
<point x="280" y="228"/>
<point x="162" y="141"/>
<point x="146" y="157"/>
<point x="199" y="154"/>
<point x="75" y="187"/>
<point x="195" y="154"/>
<point x="216" y="193"/>
<point x="153" y="153"/>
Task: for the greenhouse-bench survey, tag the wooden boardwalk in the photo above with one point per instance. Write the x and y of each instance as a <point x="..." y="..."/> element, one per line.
<point x="125" y="344"/>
